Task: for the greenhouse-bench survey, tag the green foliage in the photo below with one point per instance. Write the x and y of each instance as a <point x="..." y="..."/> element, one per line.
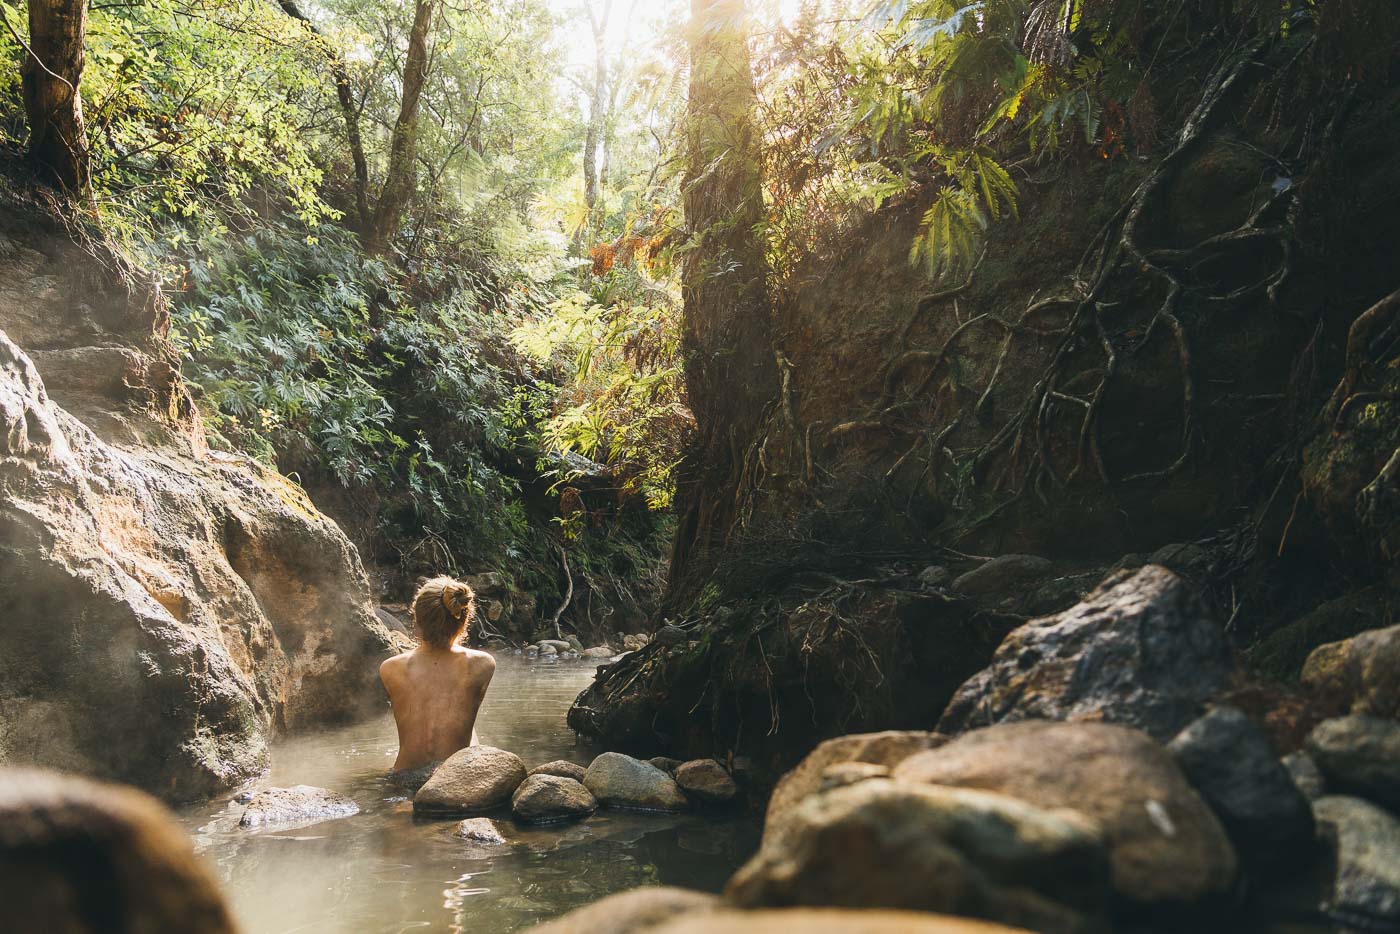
<point x="410" y="413"/>
<point x="624" y="404"/>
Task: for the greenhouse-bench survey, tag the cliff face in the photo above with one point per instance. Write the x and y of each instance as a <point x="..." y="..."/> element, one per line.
<point x="168" y="609"/>
<point x="1151" y="360"/>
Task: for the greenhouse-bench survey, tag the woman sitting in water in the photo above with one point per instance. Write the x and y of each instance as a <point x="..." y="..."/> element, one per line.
<point x="436" y="689"/>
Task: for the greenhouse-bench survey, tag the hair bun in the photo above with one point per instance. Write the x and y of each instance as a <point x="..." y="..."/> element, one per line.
<point x="457" y="599"/>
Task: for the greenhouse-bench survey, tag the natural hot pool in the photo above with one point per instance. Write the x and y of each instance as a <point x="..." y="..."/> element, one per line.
<point x="384" y="870"/>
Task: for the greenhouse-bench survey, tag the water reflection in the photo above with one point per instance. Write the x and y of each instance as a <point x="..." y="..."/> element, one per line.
<point x="385" y="870"/>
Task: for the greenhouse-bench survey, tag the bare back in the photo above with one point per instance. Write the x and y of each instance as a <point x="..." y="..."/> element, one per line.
<point x="436" y="694"/>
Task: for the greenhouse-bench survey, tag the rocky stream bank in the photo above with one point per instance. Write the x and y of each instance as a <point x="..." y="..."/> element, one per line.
<point x="1111" y="770"/>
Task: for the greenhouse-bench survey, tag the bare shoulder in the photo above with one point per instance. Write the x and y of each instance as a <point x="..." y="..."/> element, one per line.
<point x="478" y="664"/>
<point x="391" y="668"/>
<point x="482" y="661"/>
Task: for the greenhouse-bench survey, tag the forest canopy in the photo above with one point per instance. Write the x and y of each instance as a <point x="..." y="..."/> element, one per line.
<point x="418" y="253"/>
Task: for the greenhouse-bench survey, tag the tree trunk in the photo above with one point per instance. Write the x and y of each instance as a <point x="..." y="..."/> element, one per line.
<point x="730" y="368"/>
<point x="597" y="115"/>
<point x="345" y="95"/>
<point x="51" y="75"/>
<point x="401" y="176"/>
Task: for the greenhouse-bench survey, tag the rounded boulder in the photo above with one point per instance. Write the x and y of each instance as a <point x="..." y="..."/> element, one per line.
<point x="620" y="781"/>
<point x="472" y="780"/>
<point x="543" y="799"/>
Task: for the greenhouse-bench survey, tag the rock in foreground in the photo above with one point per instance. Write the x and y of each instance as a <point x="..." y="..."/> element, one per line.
<point x="706" y="780"/>
<point x="543" y="799"/>
<point x="1165" y="846"/>
<point x="829" y="921"/>
<point x="77" y="856"/>
<point x="1230" y="762"/>
<point x="472" y="780"/>
<point x="1366" y="889"/>
<point x="682" y="911"/>
<point x="301" y="805"/>
<point x="631" y="912"/>
<point x="620" y="781"/>
<point x="1140" y="650"/>
<point x="888" y="748"/>
<point x="886" y="844"/>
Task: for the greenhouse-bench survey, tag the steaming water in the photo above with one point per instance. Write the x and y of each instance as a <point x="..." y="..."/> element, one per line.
<point x="384" y="870"/>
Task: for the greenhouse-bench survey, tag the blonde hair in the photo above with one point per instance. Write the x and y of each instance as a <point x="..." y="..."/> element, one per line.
<point x="443" y="610"/>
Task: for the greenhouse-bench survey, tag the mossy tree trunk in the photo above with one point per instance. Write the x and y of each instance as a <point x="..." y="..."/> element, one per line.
<point x="401" y="176"/>
<point x="730" y="369"/>
<point x="51" y="75"/>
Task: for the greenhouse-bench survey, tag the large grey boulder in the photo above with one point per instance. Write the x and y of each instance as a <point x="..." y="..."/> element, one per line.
<point x="1166" y="847"/>
<point x="543" y="799"/>
<point x="1141" y="650"/>
<point x="1366" y="888"/>
<point x="886" y="844"/>
<point x="620" y="781"/>
<point x="168" y="609"/>
<point x="471" y="781"/>
<point x="299" y="805"/>
<point x="1359" y="755"/>
<point x="1230" y="762"/>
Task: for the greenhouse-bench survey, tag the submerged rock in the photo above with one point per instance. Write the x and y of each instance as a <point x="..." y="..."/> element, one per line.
<point x="1360" y="756"/>
<point x="887" y="748"/>
<point x="562" y="768"/>
<point x="886" y="844"/>
<point x="411" y="780"/>
<point x="1140" y="650"/>
<point x="1366" y="888"/>
<point x="599" y="651"/>
<point x="479" y="830"/>
<point x="300" y="804"/>
<point x="546" y="798"/>
<point x="617" y="780"/>
<point x="474" y="779"/>
<point x="78" y="856"/>
<point x="1165" y="845"/>
<point x="1230" y="762"/>
<point x="706" y="780"/>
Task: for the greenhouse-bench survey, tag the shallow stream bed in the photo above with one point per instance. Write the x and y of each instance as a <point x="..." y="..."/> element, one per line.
<point x="384" y="870"/>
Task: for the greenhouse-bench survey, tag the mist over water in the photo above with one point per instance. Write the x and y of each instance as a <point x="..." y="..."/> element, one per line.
<point x="384" y="870"/>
